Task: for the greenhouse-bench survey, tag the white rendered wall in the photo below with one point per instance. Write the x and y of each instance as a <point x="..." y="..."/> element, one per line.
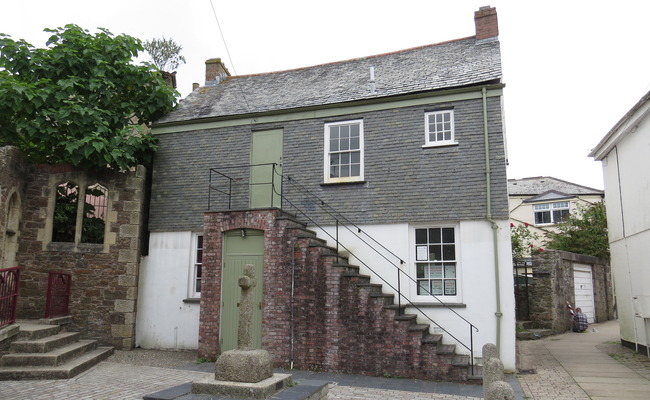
<point x="628" y="219"/>
<point x="164" y="320"/>
<point x="476" y="281"/>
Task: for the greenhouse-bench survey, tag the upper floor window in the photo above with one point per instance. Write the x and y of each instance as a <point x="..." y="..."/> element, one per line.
<point x="550" y="213"/>
<point x="436" y="263"/>
<point x="344" y="151"/>
<point x="439" y="128"/>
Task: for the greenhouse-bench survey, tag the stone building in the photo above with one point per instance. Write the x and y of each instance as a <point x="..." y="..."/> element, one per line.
<point x="59" y="219"/>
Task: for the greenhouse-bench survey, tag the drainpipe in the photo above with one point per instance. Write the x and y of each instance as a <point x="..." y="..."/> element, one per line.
<point x="293" y="300"/>
<point x="495" y="227"/>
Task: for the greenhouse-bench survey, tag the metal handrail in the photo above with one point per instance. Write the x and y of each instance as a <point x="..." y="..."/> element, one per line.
<point x="368" y="240"/>
<point x="233" y="181"/>
<point x="332" y="212"/>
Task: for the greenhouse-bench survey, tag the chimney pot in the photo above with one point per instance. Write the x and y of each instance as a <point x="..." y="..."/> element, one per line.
<point x="195" y="86"/>
<point x="487" y="25"/>
<point x="214" y="68"/>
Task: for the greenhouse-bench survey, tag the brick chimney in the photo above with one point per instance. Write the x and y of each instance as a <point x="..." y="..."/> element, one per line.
<point x="215" y="71"/>
<point x="486" y="23"/>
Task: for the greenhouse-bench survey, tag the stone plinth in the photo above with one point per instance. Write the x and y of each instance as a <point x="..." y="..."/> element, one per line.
<point x="244" y="366"/>
<point x="242" y="390"/>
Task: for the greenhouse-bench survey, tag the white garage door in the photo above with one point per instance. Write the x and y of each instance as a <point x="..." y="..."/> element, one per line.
<point x="584" y="290"/>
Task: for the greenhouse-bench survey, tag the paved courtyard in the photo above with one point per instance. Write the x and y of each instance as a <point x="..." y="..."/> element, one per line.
<point x="564" y="367"/>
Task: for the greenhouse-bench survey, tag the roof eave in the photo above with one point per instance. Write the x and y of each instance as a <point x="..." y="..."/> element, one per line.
<point x="490" y="84"/>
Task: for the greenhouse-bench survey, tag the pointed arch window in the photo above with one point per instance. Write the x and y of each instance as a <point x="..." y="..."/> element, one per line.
<point x="95" y="206"/>
<point x="65" y="212"/>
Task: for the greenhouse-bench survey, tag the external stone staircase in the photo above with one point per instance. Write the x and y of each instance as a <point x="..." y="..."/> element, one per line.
<point x="367" y="332"/>
<point x="45" y="350"/>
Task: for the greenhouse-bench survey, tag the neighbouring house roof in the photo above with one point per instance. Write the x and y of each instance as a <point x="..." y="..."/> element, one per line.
<point x="452" y="64"/>
<point x="547" y="187"/>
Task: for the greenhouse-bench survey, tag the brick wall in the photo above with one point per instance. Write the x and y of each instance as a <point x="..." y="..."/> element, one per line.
<point x="104" y="276"/>
<point x="340" y="322"/>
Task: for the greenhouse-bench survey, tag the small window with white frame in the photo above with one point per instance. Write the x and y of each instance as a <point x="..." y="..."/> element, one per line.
<point x="550" y="213"/>
<point x="436" y="262"/>
<point x="439" y="128"/>
<point x="343" y="159"/>
<point x="196" y="273"/>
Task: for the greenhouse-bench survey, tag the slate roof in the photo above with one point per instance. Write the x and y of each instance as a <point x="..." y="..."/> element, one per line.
<point x="445" y="65"/>
<point x="543" y="184"/>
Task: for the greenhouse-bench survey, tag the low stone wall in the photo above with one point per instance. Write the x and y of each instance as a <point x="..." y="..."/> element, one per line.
<point x="553" y="287"/>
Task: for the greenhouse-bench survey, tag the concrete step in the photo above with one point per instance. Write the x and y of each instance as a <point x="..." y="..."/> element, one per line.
<point x="447" y="349"/>
<point x="66" y="370"/>
<point x="533" y="334"/>
<point x="52" y="358"/>
<point x="44" y="345"/>
<point x="35" y="331"/>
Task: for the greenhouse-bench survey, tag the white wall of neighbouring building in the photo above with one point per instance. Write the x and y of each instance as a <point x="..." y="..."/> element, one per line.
<point x="165" y="318"/>
<point x="626" y="172"/>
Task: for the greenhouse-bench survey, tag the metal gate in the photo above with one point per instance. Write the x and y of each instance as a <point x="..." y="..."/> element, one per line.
<point x="9" y="284"/>
<point x="58" y="294"/>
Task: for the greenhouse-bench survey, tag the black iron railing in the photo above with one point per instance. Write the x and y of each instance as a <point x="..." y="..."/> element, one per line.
<point x="230" y="187"/>
<point x="9" y="286"/>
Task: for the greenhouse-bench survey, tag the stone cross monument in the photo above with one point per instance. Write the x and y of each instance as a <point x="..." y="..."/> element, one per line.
<point x="244" y="373"/>
<point x="245" y="364"/>
<point x="245" y="331"/>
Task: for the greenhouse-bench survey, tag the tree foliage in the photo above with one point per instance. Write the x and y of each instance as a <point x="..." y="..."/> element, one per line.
<point x="165" y="53"/>
<point x="522" y="240"/>
<point x="583" y="232"/>
<point x="77" y="100"/>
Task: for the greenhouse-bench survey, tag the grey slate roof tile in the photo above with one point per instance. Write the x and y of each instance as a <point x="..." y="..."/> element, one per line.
<point x="433" y="67"/>
<point x="542" y="184"/>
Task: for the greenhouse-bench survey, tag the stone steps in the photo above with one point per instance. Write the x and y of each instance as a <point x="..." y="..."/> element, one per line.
<point x="422" y="355"/>
<point x="64" y="371"/>
<point x="44" y="351"/>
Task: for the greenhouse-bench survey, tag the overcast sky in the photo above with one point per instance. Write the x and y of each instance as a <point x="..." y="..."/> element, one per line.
<point x="572" y="69"/>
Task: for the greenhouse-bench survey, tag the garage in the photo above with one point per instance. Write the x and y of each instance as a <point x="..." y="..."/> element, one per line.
<point x="584" y="290"/>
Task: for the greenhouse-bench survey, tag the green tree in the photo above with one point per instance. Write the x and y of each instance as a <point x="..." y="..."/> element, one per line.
<point x="522" y="240"/>
<point x="165" y="53"/>
<point x="583" y="232"/>
<point x="80" y="100"/>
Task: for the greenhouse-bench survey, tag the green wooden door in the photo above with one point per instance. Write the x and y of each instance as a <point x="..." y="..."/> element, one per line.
<point x="237" y="252"/>
<point x="266" y="186"/>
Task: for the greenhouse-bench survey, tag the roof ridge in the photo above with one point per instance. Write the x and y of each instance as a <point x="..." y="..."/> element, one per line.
<point x="351" y="59"/>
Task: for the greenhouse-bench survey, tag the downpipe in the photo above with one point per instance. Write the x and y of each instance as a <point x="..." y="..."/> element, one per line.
<point x="293" y="302"/>
<point x="495" y="227"/>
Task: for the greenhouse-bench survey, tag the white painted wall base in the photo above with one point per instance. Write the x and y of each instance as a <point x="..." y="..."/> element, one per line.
<point x="164" y="320"/>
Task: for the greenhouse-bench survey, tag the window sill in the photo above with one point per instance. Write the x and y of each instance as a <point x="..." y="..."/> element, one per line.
<point x="446" y="144"/>
<point x="438" y="305"/>
<point x="343" y="183"/>
<point x="76" y="247"/>
<point x="192" y="300"/>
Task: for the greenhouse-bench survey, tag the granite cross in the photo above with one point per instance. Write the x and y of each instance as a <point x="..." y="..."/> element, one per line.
<point x="245" y="331"/>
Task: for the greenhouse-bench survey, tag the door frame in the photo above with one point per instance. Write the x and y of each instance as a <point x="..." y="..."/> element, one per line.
<point x="234" y="258"/>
